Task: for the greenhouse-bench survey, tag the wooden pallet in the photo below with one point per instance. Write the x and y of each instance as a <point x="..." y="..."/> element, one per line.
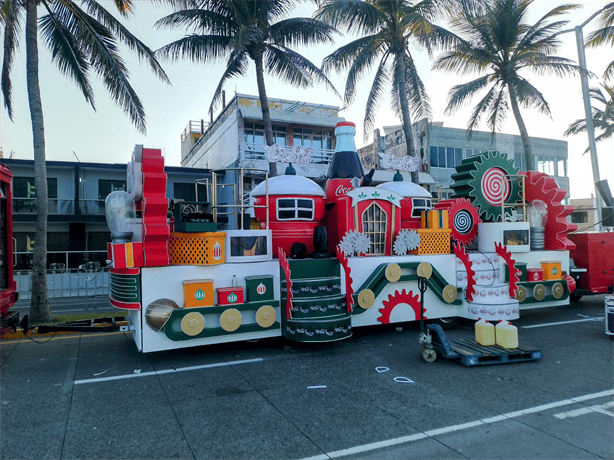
<point x="469" y="353"/>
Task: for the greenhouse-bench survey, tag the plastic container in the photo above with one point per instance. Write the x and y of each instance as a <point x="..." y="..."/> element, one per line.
<point x="506" y="334"/>
<point x="484" y="332"/>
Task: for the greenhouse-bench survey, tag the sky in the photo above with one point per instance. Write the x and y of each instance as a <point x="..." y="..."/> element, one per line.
<point x="74" y="131"/>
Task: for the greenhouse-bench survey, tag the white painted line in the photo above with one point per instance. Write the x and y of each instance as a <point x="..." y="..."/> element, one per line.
<point x="316" y="387"/>
<point x="168" y="371"/>
<point x="601" y="408"/>
<point x="559" y="323"/>
<point x="422" y="435"/>
<point x="593" y="396"/>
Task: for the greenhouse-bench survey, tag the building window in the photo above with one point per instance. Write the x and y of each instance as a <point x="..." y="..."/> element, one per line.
<point x="579" y="217"/>
<point x="295" y="209"/>
<point x="316" y="138"/>
<point x="187" y="191"/>
<point x="419" y="205"/>
<point x="374" y="221"/>
<point x="254" y="134"/>
<point x="106" y="187"/>
<point x="23" y="187"/>
<point x="24" y="195"/>
<point x="446" y="157"/>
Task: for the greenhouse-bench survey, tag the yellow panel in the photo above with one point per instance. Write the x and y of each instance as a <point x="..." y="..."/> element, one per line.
<point x="552" y="270"/>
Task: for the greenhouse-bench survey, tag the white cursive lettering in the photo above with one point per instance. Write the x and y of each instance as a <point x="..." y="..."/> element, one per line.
<point x="341" y="190"/>
<point x="290" y="154"/>
<point x="406" y="163"/>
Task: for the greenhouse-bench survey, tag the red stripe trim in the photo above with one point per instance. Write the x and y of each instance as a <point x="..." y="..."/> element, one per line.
<point x="125" y="271"/>
<point x="125" y="305"/>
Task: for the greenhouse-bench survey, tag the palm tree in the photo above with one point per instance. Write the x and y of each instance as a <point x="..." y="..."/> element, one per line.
<point x="499" y="44"/>
<point x="604" y="35"/>
<point x="603" y="118"/>
<point x="386" y="29"/>
<point x="243" y="30"/>
<point x="80" y="40"/>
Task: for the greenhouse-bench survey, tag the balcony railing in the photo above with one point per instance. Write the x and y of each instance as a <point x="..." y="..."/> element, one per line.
<point x="92" y="207"/>
<point x="61" y="260"/>
<point x="250" y="151"/>
<point x="55" y="206"/>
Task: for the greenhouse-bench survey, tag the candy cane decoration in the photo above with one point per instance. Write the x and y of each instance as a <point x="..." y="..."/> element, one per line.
<point x="459" y="251"/>
<point x="349" y="292"/>
<point x="513" y="271"/>
<point x="285" y="265"/>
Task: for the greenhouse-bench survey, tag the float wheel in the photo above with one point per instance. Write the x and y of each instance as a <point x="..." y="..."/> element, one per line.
<point x="429" y="355"/>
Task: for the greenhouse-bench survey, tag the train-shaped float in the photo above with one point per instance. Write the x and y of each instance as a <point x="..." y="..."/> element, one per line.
<point x="311" y="263"/>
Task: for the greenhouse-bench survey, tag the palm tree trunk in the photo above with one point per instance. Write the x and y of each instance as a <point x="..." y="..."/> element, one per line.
<point x="407" y="130"/>
<point x="524" y="134"/>
<point x="39" y="305"/>
<point x="266" y="114"/>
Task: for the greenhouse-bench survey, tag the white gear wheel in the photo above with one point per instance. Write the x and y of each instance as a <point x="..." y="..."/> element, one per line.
<point x="347" y="243"/>
<point x="400" y="246"/>
<point x="411" y="238"/>
<point x="362" y="243"/>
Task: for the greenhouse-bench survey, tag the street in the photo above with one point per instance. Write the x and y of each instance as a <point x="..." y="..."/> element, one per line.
<point x="371" y="396"/>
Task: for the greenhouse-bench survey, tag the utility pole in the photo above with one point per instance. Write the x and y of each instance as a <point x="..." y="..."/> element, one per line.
<point x="588" y="112"/>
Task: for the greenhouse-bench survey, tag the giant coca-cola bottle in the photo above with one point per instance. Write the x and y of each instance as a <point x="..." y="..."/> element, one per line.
<point x="345" y="163"/>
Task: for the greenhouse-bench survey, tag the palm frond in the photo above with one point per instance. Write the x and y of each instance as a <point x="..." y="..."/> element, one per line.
<point x="605" y="33"/>
<point x="12" y="29"/>
<point x="286" y="64"/>
<point x="481" y="108"/>
<point x="529" y="97"/>
<point x="236" y="67"/>
<point x="101" y="48"/>
<point x="302" y="31"/>
<point x="343" y="58"/>
<point x="418" y="100"/>
<point x="460" y="94"/>
<point x="66" y="51"/>
<point x="360" y="65"/>
<point x="354" y="16"/>
<point x="121" y="33"/>
<point x="196" y="20"/>
<point x="498" y="110"/>
<point x="197" y="48"/>
<point x="380" y="81"/>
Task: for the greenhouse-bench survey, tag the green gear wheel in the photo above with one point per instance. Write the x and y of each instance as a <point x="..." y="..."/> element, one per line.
<point x="478" y="178"/>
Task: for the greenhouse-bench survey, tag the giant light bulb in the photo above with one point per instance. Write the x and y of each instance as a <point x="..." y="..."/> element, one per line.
<point x="119" y="209"/>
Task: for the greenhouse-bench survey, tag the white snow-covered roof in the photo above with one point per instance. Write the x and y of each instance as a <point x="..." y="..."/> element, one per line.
<point x="289" y="185"/>
<point x="405" y="189"/>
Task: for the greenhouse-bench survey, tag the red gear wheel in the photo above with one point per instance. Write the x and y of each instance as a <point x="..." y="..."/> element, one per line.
<point x="459" y="251"/>
<point x="399" y="298"/>
<point x="513" y="272"/>
<point x="540" y="186"/>
<point x="463" y="219"/>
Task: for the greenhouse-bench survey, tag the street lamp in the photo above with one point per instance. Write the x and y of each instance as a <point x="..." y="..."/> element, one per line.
<point x="590" y="127"/>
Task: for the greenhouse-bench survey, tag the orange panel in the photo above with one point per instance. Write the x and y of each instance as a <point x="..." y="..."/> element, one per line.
<point x="198" y="293"/>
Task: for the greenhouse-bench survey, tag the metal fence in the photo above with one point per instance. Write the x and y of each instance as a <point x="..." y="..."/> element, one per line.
<point x="76" y="282"/>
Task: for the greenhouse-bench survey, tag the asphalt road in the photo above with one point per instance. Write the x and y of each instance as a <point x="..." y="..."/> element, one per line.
<point x="370" y="396"/>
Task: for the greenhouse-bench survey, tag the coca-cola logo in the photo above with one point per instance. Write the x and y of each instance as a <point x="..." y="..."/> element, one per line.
<point x="292" y="154"/>
<point x="405" y="163"/>
<point x="341" y="190"/>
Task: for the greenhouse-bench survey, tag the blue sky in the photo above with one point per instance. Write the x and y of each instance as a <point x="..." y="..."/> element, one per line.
<point x="107" y="136"/>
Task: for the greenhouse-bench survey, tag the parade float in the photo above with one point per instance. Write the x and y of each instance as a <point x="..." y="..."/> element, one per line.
<point x="313" y="263"/>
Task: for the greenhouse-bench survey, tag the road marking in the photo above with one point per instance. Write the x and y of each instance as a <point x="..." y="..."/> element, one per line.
<point x="563" y="322"/>
<point x="601" y="408"/>
<point x="169" y="371"/>
<point x="449" y="429"/>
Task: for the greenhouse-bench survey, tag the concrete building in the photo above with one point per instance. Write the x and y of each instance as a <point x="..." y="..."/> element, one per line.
<point x="442" y="148"/>
<point x="76" y="223"/>
<point x="235" y="139"/>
